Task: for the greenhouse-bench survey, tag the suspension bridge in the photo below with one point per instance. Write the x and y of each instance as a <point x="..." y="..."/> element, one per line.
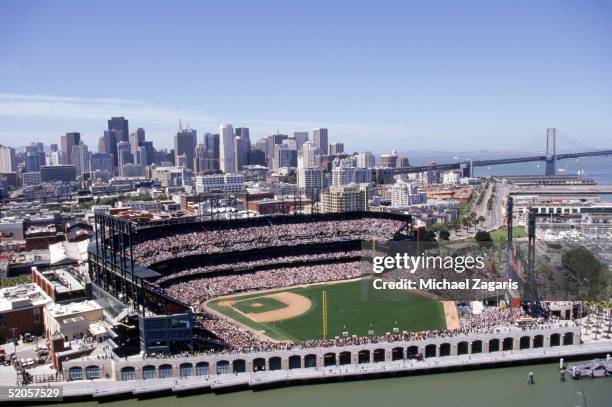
<point x="550" y="157"/>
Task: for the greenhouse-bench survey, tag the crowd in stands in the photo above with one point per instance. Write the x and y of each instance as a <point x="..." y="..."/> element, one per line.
<point x="240" y="238"/>
<point x="196" y="291"/>
<point x="493" y="321"/>
<point x="242" y="265"/>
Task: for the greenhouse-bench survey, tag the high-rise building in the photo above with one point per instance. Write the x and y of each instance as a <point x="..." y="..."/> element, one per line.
<point x="34" y="157"/>
<point x="201" y="160"/>
<point x="346" y="173"/>
<point x="310" y="180"/>
<point x="300" y="138"/>
<point x="243" y="132"/>
<point x="256" y="157"/>
<point x="211" y="141"/>
<point x="309" y="151"/>
<point x="284" y="157"/>
<point x="124" y="153"/>
<point x="102" y="145"/>
<point x="345" y="198"/>
<point x="389" y="160"/>
<point x="118" y="130"/>
<point x="219" y="182"/>
<point x="68" y="141"/>
<point x="102" y="162"/>
<point x="227" y="160"/>
<point x="185" y="141"/>
<point x="366" y="160"/>
<point x="241" y="151"/>
<point x="404" y="194"/>
<point x="148" y="156"/>
<point x="319" y="137"/>
<point x="136" y="139"/>
<point x="336" y="148"/>
<point x="121" y="128"/>
<point x="80" y="158"/>
<point x="8" y="162"/>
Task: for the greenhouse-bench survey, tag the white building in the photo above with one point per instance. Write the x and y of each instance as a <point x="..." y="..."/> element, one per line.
<point x="309" y="151"/>
<point x="171" y="176"/>
<point x="220" y="182"/>
<point x="366" y="160"/>
<point x="227" y="160"/>
<point x="346" y="173"/>
<point x="310" y="180"/>
<point x="7" y="159"/>
<point x="451" y="177"/>
<point x="405" y="194"/>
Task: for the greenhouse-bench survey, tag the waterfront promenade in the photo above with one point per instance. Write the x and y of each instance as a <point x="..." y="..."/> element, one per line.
<point x="106" y="388"/>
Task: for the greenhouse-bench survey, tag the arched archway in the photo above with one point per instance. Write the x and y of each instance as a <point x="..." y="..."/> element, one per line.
<point x="259" y="365"/>
<point x="310" y="361"/>
<point x="494" y="345"/>
<point x="363" y="356"/>
<point x="186" y="370"/>
<point x="274" y="363"/>
<point x="165" y="371"/>
<point x="344" y="358"/>
<point x="379" y="355"/>
<point x="92" y="372"/>
<point x="568" y="338"/>
<point x="202" y="369"/>
<point x="477" y="346"/>
<point x="329" y="359"/>
<point x="239" y="366"/>
<point x="430" y="351"/>
<point x="223" y="367"/>
<point x="397" y="354"/>
<point x="128" y="373"/>
<point x="508" y="344"/>
<point x="538" y="341"/>
<point x="463" y="348"/>
<point x="412" y="352"/>
<point x="295" y="362"/>
<point x="149" y="372"/>
<point x="445" y="349"/>
<point x="525" y="342"/>
<point x="75" y="373"/>
<point x="555" y="340"/>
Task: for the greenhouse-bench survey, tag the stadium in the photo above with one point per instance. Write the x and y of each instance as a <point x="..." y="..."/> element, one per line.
<point x="204" y="298"/>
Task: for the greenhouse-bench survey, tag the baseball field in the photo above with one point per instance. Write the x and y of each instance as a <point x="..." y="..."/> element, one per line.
<point x="297" y="314"/>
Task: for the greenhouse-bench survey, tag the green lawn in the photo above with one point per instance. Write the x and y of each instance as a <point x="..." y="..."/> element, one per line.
<point x="501" y="235"/>
<point x="258" y="305"/>
<point x="348" y="306"/>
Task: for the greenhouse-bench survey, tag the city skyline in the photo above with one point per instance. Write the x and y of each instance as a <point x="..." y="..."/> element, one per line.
<point x="482" y="76"/>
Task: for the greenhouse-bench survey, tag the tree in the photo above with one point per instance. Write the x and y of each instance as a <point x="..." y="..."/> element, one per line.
<point x="482" y="236"/>
<point x="481" y="219"/>
<point x="465" y="222"/>
<point x="444" y="234"/>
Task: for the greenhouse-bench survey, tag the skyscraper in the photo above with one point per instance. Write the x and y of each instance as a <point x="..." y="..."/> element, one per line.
<point x="7" y="159"/>
<point x="300" y="138"/>
<point x="319" y="136"/>
<point x="336" y="148"/>
<point x="136" y="139"/>
<point x="68" y="141"/>
<point x="80" y="158"/>
<point x="211" y="142"/>
<point x="309" y="150"/>
<point x="121" y="128"/>
<point x="185" y="141"/>
<point x="243" y="132"/>
<point x="241" y="152"/>
<point x="123" y="152"/>
<point x="227" y="159"/>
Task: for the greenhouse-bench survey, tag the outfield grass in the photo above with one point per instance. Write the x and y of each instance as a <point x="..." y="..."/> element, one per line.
<point x="346" y="307"/>
<point x="258" y="305"/>
<point x="501" y="235"/>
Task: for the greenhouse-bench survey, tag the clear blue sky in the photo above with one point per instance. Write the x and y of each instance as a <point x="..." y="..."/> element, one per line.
<point x="380" y="75"/>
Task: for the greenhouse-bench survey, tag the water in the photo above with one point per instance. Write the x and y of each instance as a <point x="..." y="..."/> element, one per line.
<point x="597" y="168"/>
<point x="493" y="387"/>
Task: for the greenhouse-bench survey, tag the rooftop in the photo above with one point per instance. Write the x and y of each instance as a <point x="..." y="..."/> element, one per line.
<point x="22" y="296"/>
<point x="73" y="308"/>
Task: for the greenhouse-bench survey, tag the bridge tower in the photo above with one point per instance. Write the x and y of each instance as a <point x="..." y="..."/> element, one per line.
<point x="551" y="153"/>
